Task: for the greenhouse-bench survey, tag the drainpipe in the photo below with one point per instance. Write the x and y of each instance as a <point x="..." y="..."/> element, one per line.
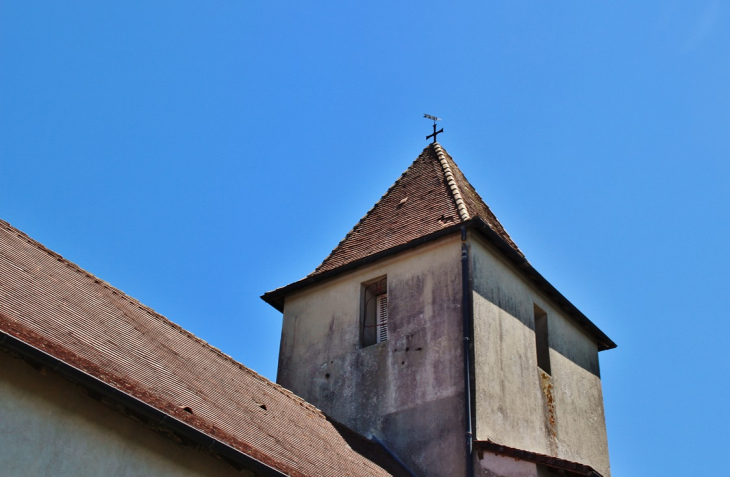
<point x="466" y="316"/>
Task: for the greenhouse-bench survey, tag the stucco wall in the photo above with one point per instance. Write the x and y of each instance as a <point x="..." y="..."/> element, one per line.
<point x="518" y="405"/>
<point x="49" y="427"/>
<point x="408" y="391"/>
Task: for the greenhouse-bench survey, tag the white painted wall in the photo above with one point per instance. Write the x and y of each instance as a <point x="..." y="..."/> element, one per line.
<point x="48" y="427"/>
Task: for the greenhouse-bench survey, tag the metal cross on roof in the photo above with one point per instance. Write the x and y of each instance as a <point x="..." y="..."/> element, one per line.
<point x="428" y="116"/>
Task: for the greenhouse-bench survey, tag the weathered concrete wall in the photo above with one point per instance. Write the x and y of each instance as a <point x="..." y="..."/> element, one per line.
<point x="408" y="390"/>
<point x="516" y="403"/>
<point x="49" y="427"/>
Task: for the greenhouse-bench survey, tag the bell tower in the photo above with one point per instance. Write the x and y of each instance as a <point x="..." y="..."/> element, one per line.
<point x="427" y="330"/>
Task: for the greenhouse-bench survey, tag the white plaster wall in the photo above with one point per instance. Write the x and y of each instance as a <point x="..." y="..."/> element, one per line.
<point x="408" y="391"/>
<point x="49" y="427"/>
<point x="518" y="405"/>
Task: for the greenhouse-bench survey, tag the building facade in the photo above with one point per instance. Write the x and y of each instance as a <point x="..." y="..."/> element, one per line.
<point x="424" y="345"/>
<point x="92" y="382"/>
<point x="427" y="328"/>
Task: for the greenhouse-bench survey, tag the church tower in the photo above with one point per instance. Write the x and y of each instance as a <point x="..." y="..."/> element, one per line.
<point x="427" y="330"/>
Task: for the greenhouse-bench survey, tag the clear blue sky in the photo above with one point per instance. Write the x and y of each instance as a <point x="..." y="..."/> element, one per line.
<point x="198" y="154"/>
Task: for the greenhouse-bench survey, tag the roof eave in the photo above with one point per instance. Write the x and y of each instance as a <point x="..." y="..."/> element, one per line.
<point x="276" y="297"/>
<point x="574" y="468"/>
<point x="148" y="413"/>
<point x="603" y="341"/>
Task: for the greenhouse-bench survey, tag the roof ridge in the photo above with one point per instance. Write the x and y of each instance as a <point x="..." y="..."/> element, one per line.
<point x="154" y="314"/>
<point x="451" y="182"/>
<point x="474" y="201"/>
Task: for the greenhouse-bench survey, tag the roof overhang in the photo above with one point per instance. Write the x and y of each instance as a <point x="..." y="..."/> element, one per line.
<point x="277" y="297"/>
<point x="154" y="418"/>
<point x="573" y="468"/>
<point x="603" y="341"/>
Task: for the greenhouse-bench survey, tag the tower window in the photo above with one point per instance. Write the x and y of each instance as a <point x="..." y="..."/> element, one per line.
<point x="541" y="339"/>
<point x="374" y="316"/>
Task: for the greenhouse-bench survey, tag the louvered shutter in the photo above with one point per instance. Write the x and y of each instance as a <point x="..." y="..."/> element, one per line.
<point x="382" y="317"/>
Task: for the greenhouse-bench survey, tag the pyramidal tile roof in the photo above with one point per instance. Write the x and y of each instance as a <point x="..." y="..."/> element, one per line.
<point x="430" y="199"/>
<point x="432" y="194"/>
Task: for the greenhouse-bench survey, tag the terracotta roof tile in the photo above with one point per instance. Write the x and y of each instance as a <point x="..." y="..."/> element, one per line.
<point x="476" y="206"/>
<point x="432" y="194"/>
<point x="569" y="467"/>
<point x="431" y="199"/>
<point x="53" y="305"/>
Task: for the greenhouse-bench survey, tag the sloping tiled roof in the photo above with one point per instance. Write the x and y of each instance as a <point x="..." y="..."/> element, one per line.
<point x="53" y="305"/>
<point x="432" y="194"/>
<point x="569" y="467"/>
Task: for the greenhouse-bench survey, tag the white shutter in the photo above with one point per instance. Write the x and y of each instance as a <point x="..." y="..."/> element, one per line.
<point x="382" y="317"/>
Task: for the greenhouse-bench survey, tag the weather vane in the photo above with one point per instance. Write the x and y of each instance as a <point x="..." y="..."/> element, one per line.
<point x="428" y="116"/>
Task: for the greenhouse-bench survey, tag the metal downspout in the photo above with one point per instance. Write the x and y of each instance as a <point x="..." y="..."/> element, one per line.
<point x="466" y="316"/>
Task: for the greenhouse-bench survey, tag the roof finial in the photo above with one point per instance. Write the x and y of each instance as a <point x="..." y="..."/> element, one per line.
<point x="428" y="116"/>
